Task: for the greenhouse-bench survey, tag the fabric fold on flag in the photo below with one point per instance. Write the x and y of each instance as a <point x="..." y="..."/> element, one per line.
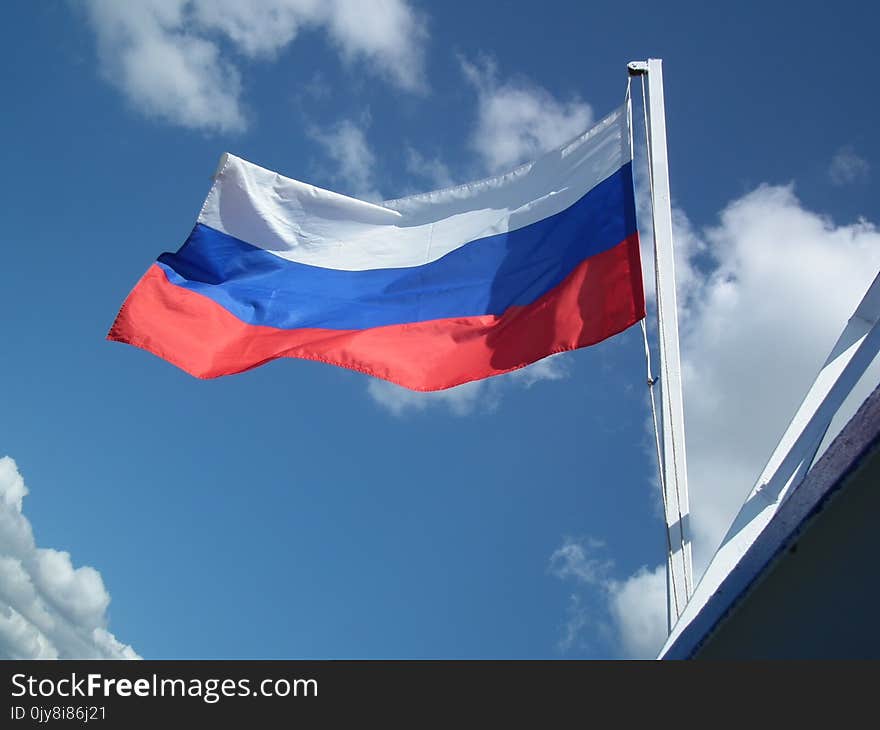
<point x="428" y="291"/>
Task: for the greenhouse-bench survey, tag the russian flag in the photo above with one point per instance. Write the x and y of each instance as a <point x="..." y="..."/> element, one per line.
<point x="428" y="291"/>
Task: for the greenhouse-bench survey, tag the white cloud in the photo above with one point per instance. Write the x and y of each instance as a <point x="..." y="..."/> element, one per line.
<point x="638" y="611"/>
<point x="847" y="167"/>
<point x="48" y="608"/>
<point x="754" y="334"/>
<point x="432" y="169"/>
<point x="387" y="33"/>
<point x="756" y="327"/>
<point x="573" y="559"/>
<point x="629" y="618"/>
<point x="163" y="69"/>
<point x="171" y="58"/>
<point x="482" y="396"/>
<point x="517" y="120"/>
<point x="258" y="29"/>
<point x="346" y="145"/>
<point x="461" y="400"/>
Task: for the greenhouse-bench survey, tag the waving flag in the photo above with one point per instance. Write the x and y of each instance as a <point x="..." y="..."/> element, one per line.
<point x="427" y="291"/>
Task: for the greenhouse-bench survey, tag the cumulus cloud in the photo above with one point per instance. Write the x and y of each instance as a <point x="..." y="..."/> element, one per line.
<point x="175" y="59"/>
<point x="755" y="332"/>
<point x="165" y="70"/>
<point x="638" y="611"/>
<point x="48" y="608"/>
<point x="625" y="618"/>
<point x="775" y="286"/>
<point x="518" y="120"/>
<point x="847" y="167"/>
<point x="347" y="147"/>
<point x="386" y="33"/>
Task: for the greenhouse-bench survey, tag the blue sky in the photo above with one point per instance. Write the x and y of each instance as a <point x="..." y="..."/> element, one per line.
<point x="304" y="511"/>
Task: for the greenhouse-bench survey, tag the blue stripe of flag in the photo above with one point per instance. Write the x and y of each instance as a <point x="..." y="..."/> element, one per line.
<point x="485" y="276"/>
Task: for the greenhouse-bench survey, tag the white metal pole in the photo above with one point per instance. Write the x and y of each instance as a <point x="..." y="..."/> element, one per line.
<point x="674" y="467"/>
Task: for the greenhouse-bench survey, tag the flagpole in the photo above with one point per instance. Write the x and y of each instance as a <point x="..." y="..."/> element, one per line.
<point x="674" y="461"/>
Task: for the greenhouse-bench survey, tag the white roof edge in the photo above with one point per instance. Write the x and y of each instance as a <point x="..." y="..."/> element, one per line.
<point x="763" y="531"/>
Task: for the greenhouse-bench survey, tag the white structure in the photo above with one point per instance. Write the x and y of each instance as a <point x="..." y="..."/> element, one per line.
<point x="756" y="598"/>
<point x="803" y="547"/>
<point x="672" y="454"/>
